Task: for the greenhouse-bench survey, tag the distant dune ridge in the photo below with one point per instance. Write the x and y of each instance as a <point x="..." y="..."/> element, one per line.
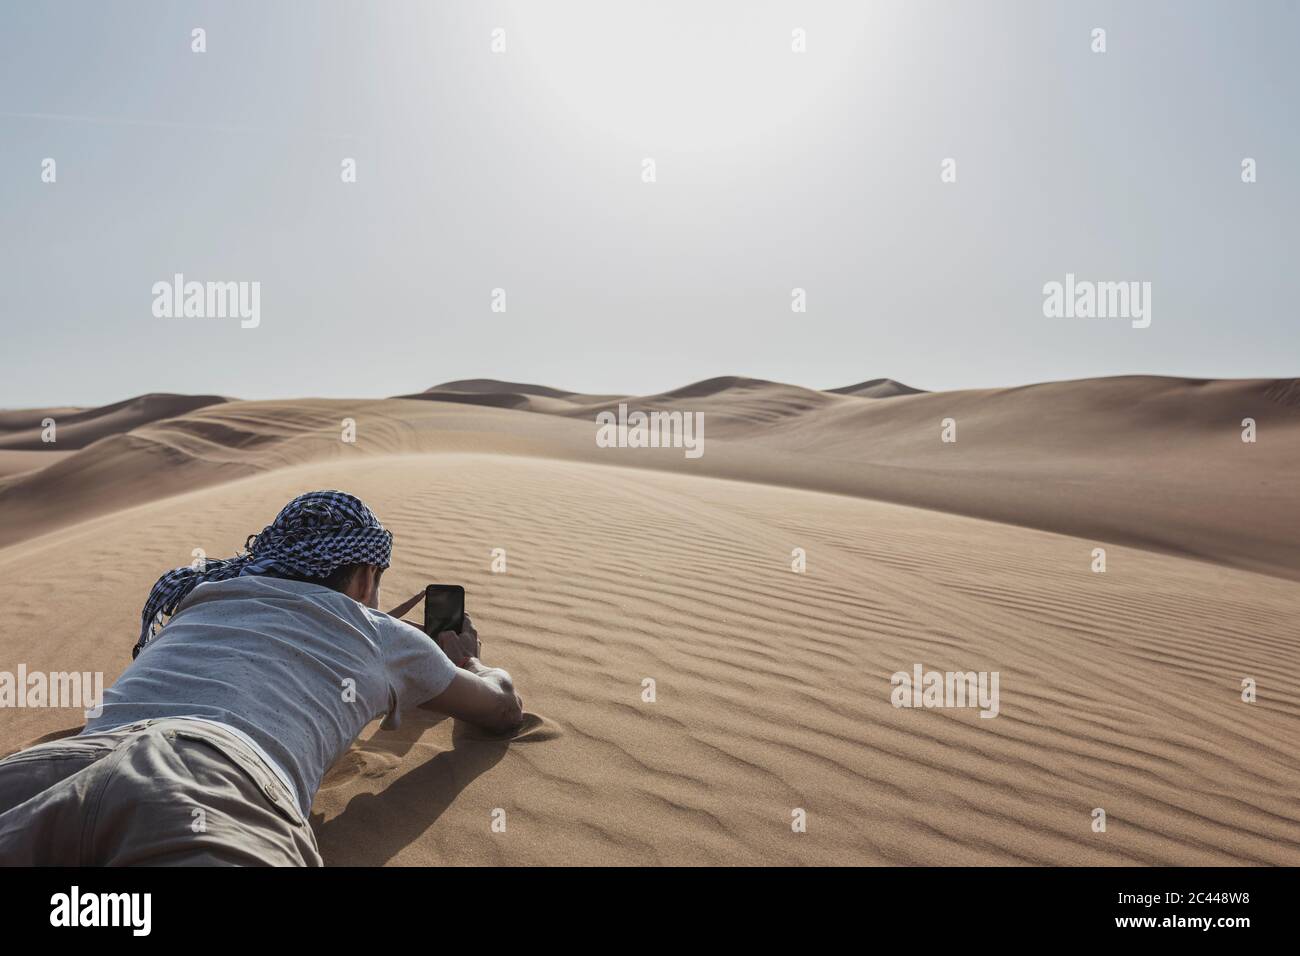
<point x="877" y="388"/>
<point x="79" y="427"/>
<point x="1120" y="690"/>
<point x="1149" y="461"/>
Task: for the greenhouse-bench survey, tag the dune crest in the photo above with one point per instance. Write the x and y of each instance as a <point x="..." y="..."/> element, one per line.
<point x="1145" y="461"/>
<point x="78" y="427"/>
<point x="877" y="388"/>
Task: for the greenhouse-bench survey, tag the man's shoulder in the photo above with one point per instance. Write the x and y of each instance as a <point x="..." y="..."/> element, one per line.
<point x="387" y="624"/>
<point x="264" y="592"/>
<point x="253" y="584"/>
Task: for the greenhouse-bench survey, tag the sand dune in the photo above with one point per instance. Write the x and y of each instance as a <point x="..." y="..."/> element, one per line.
<point x="1118" y="690"/>
<point x="1156" y="463"/>
<point x="877" y="388"/>
<point x="20" y="462"/>
<point x="79" y="427"/>
<point x="491" y="385"/>
<point x="235" y="439"/>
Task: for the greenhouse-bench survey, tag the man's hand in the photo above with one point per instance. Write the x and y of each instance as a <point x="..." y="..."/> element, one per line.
<point x="461" y="647"/>
<point x="481" y="695"/>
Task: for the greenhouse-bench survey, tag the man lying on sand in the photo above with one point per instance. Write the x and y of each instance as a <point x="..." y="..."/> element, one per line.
<point x="212" y="744"/>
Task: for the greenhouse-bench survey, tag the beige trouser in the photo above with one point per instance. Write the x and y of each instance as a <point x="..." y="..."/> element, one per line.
<point x="167" y="792"/>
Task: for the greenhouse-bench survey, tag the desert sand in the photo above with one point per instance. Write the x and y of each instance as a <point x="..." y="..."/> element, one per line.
<point x="1120" y="690"/>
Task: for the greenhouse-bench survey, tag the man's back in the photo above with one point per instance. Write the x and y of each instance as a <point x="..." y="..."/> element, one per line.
<point x="297" y="667"/>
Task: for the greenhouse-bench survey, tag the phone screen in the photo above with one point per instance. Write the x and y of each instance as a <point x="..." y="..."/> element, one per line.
<point x="444" y="608"/>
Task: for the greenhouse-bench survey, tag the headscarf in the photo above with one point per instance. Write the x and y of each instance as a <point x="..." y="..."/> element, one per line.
<point x="312" y="536"/>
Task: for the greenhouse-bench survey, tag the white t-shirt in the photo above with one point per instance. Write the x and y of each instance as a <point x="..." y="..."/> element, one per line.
<point x="297" y="667"/>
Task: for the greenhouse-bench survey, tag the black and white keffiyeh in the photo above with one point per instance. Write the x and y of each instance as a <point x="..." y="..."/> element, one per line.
<point x="312" y="536"/>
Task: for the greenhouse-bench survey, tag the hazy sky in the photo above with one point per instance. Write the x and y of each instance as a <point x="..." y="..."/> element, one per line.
<point x="522" y="170"/>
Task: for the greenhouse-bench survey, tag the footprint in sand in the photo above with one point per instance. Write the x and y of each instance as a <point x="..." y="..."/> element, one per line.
<point x="534" y="728"/>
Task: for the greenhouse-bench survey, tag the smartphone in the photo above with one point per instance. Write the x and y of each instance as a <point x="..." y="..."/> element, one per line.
<point x="444" y="608"/>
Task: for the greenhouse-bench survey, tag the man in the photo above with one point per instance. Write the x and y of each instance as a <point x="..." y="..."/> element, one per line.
<point x="211" y="745"/>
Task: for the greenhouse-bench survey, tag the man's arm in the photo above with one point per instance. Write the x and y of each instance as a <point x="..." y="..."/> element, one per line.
<point x="480" y="695"/>
<point x="406" y="605"/>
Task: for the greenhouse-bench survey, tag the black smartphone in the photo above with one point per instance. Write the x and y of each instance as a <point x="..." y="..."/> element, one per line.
<point x="444" y="608"/>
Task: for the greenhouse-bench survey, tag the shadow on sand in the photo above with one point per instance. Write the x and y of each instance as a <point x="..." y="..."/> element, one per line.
<point x="375" y="827"/>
